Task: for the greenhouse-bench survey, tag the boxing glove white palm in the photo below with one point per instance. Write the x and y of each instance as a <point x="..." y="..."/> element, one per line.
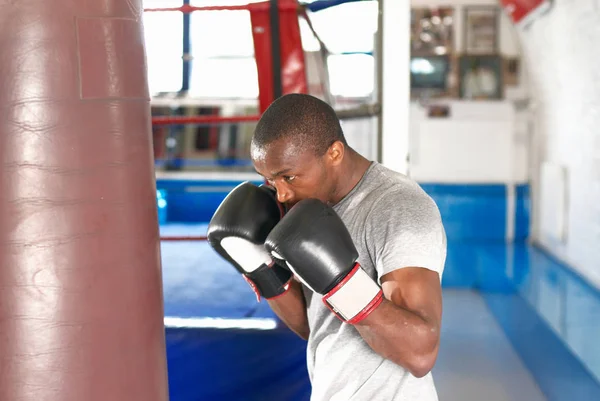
<point x="237" y="232"/>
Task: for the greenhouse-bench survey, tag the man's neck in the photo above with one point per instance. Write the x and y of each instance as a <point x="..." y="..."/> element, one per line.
<point x="354" y="167"/>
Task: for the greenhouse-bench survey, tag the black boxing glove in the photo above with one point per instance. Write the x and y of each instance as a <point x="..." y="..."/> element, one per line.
<point x="237" y="232"/>
<point x="317" y="247"/>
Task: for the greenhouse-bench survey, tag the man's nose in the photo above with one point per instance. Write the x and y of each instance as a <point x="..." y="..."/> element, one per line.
<point x="284" y="193"/>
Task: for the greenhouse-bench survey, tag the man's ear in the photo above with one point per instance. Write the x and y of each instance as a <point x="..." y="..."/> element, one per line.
<point x="335" y="153"/>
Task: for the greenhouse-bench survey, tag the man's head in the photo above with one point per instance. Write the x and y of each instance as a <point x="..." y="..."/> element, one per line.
<point x="299" y="146"/>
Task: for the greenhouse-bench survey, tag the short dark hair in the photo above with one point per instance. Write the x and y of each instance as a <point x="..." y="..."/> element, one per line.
<point x="306" y="120"/>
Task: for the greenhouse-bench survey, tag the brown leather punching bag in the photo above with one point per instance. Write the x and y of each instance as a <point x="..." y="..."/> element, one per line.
<point x="81" y="307"/>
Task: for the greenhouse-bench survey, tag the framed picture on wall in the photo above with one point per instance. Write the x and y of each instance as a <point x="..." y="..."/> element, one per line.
<point x="481" y="77"/>
<point x="481" y="29"/>
<point x="432" y="31"/>
<point x="511" y="71"/>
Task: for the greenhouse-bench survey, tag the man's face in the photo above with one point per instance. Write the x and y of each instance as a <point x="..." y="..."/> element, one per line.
<point x="296" y="173"/>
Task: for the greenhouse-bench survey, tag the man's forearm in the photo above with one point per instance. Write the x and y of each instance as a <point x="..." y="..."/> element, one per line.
<point x="291" y="308"/>
<point x="401" y="336"/>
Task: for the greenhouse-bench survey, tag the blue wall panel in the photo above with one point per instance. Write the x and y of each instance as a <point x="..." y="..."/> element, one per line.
<point x="195" y="201"/>
<point x="460" y="270"/>
<point x="191" y="207"/>
<point x="523" y="213"/>
<point x="471" y="212"/>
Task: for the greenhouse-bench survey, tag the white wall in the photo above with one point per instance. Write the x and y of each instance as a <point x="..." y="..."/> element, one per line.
<point x="563" y="49"/>
<point x="361" y="135"/>
<point x="480" y="142"/>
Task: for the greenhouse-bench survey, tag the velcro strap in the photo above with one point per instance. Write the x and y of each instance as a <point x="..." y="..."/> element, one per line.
<point x="354" y="297"/>
<point x="270" y="281"/>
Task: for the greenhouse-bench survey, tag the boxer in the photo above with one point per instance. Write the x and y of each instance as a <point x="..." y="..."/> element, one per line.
<point x="365" y="249"/>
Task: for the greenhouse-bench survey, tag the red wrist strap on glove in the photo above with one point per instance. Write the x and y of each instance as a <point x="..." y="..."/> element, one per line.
<point x="355" y="297"/>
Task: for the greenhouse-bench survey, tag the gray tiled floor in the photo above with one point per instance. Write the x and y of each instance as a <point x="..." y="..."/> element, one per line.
<point x="476" y="361"/>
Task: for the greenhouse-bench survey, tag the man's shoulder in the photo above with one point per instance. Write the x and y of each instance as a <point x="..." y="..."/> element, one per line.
<point x="392" y="190"/>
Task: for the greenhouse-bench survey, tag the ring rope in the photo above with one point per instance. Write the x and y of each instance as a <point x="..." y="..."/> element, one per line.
<point x="203" y="119"/>
<point x="362" y="111"/>
<point x="186" y="9"/>
<point x="184" y="238"/>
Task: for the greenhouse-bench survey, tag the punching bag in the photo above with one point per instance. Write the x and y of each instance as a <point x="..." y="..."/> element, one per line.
<point x="81" y="307"/>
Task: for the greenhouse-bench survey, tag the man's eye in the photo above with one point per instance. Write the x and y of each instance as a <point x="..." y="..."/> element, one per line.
<point x="289" y="178"/>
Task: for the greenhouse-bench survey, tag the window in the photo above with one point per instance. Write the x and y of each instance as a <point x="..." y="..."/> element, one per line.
<point x="222" y="63"/>
<point x="347" y="28"/>
<point x="222" y="47"/>
<point x="163" y="33"/>
<point x="350" y="42"/>
<point x="351" y="75"/>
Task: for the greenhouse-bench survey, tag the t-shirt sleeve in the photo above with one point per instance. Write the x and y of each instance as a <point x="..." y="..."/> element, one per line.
<point x="406" y="230"/>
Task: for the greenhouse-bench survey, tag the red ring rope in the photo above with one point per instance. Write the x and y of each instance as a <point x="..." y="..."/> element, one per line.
<point x="189" y="238"/>
<point x="171" y="120"/>
<point x="254" y="6"/>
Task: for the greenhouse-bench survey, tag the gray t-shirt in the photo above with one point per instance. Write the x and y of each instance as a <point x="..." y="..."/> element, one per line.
<point x="394" y="224"/>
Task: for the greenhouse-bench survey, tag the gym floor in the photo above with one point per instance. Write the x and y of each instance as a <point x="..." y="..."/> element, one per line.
<point x="476" y="360"/>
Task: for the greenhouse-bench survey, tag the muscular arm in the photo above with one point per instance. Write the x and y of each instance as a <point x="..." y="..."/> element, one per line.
<point x="405" y="328"/>
<point x="291" y="308"/>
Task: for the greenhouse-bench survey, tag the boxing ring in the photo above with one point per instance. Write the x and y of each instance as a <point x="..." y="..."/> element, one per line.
<point x="221" y="343"/>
